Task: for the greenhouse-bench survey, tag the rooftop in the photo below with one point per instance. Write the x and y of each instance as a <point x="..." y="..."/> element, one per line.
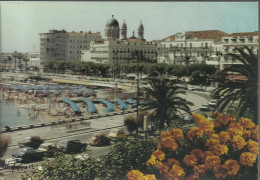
<point x="207" y="34"/>
<point x="256" y="33"/>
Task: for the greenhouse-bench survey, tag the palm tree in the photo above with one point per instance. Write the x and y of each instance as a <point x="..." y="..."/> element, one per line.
<point x="9" y="59"/>
<point x="26" y="60"/>
<point x="245" y="93"/>
<point x="164" y="103"/>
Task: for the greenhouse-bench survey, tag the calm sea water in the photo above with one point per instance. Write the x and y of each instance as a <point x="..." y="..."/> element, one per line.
<point x="9" y="115"/>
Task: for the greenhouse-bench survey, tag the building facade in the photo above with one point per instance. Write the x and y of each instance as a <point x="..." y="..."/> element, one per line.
<point x="189" y="47"/>
<point x="117" y="47"/>
<point x="237" y="40"/>
<point x="34" y="59"/>
<point x="62" y="45"/>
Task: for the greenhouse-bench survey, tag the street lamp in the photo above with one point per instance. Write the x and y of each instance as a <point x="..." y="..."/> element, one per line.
<point x="138" y="54"/>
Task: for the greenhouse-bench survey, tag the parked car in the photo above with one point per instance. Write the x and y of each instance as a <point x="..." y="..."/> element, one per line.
<point x="213" y="103"/>
<point x="31" y="141"/>
<point x="49" y="149"/>
<point x="28" y="154"/>
<point x="99" y="139"/>
<point x="116" y="134"/>
<point x="188" y="119"/>
<point x="204" y="107"/>
<point x="71" y="146"/>
<point x="192" y="88"/>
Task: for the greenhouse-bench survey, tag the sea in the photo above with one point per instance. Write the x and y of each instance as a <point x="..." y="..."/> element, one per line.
<point x="12" y="115"/>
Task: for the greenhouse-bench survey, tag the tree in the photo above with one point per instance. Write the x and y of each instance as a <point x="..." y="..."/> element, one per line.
<point x="245" y="93"/>
<point x="4" y="142"/>
<point x="164" y="102"/>
<point x="123" y="156"/>
<point x="26" y="60"/>
<point x="131" y="124"/>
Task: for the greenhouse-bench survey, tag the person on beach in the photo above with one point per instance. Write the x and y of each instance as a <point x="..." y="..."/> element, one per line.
<point x="18" y="113"/>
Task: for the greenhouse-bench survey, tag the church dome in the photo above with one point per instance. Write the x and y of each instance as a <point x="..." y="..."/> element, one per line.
<point x="112" y="22"/>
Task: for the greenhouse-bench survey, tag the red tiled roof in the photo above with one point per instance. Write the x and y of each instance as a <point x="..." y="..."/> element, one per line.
<point x="237" y="78"/>
<point x="134" y="40"/>
<point x="256" y="33"/>
<point x="207" y="34"/>
<point x="172" y="38"/>
<point x="94" y="34"/>
<point x="75" y="33"/>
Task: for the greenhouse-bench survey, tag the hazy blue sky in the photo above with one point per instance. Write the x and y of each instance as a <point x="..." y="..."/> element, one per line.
<point x="21" y="22"/>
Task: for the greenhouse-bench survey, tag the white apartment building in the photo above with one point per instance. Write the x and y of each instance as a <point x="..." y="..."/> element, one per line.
<point x="116" y="48"/>
<point x="62" y="45"/>
<point x="238" y="40"/>
<point x="198" y="46"/>
<point x="103" y="51"/>
<point x="34" y="59"/>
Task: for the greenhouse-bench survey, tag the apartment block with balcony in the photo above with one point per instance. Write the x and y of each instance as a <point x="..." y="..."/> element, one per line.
<point x="237" y="40"/>
<point x="62" y="45"/>
<point x="189" y="47"/>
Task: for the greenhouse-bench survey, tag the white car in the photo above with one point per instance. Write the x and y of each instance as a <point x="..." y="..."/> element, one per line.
<point x="204" y="107"/>
<point x="213" y="103"/>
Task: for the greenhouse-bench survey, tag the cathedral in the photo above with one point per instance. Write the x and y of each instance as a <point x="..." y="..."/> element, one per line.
<point x="113" y="30"/>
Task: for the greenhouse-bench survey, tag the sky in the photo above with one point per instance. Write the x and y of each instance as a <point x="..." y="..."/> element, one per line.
<point x="21" y="22"/>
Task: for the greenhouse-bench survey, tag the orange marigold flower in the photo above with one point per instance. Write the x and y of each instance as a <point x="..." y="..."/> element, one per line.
<point x="198" y="117"/>
<point x="227" y="118"/>
<point x="149" y="177"/>
<point x="212" y="142"/>
<point x="215" y="114"/>
<point x="176" y="172"/>
<point x="223" y="136"/>
<point x="220" y="171"/>
<point x="194" y="131"/>
<point x="206" y="125"/>
<point x="216" y="123"/>
<point x="160" y="155"/>
<point x="247" y="158"/>
<point x="190" y="160"/>
<point x="177" y="134"/>
<point x="220" y="149"/>
<point x="252" y="146"/>
<point x="207" y="153"/>
<point x="212" y="161"/>
<point x="215" y="136"/>
<point x="238" y="142"/>
<point x="246" y="134"/>
<point x="165" y="134"/>
<point x="246" y="123"/>
<point x="161" y="167"/>
<point x="235" y="129"/>
<point x="152" y="161"/>
<point x="134" y="174"/>
<point x="255" y="133"/>
<point x="197" y="152"/>
<point x="168" y="143"/>
<point x="171" y="162"/>
<point x="201" y="169"/>
<point x="231" y="166"/>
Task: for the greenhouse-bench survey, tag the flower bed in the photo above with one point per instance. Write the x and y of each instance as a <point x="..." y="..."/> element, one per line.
<point x="214" y="149"/>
